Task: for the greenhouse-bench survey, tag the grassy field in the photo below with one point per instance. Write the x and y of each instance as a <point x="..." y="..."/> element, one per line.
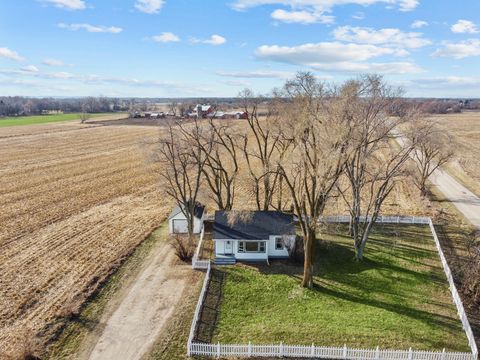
<point x="398" y="298"/>
<point x="41" y="119"/>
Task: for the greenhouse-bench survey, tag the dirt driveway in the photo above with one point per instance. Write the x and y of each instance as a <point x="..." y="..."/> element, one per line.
<point x="129" y="331"/>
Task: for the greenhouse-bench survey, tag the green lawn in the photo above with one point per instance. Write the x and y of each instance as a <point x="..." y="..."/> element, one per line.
<point x="40" y="119"/>
<point x="397" y="298"/>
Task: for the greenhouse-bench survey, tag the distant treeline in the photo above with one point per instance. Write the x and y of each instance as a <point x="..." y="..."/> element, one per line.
<point x="22" y="106"/>
<point x="444" y="106"/>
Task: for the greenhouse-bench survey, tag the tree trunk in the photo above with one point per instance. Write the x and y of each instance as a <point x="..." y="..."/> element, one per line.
<point x="359" y="249"/>
<point x="309" y="244"/>
<point x="190" y="221"/>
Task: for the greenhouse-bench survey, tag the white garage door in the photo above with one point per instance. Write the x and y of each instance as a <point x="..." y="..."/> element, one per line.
<point x="180" y="226"/>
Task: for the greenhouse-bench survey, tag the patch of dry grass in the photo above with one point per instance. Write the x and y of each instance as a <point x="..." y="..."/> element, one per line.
<point x="465" y="129"/>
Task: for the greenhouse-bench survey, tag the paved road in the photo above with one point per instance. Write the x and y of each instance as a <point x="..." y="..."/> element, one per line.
<point x="464" y="200"/>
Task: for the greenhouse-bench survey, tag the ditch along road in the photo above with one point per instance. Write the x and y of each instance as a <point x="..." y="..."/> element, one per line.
<point x="464" y="200"/>
<point x="129" y="330"/>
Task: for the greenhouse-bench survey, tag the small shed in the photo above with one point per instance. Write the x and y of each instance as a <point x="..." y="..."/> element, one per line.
<point x="177" y="221"/>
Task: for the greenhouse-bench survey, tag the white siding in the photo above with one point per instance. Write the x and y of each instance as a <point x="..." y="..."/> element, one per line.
<point x="197" y="223"/>
<point x="220" y="250"/>
<point x="271" y="247"/>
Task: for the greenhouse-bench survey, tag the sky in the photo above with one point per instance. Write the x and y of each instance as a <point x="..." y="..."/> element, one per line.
<point x="215" y="48"/>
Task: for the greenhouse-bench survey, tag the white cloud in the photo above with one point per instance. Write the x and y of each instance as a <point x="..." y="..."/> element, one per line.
<point x="302" y="17"/>
<point x="166" y="37"/>
<point x="10" y="54"/>
<point x="448" y="82"/>
<point x="322" y="6"/>
<point x="335" y="56"/>
<point x="52" y="62"/>
<point x="324" y="52"/>
<point x="358" y="15"/>
<point x="68" y="4"/>
<point x="459" y="50"/>
<point x="91" y="28"/>
<point x="215" y="40"/>
<point x="149" y="6"/>
<point x="464" y="27"/>
<point x="258" y="74"/>
<point x="356" y="67"/>
<point x="30" y="68"/>
<point x="365" y="35"/>
<point x="408" y="5"/>
<point x="417" y="24"/>
<point x="236" y="83"/>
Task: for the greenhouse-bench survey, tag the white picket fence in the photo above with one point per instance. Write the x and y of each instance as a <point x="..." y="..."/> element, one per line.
<point x="198" y="309"/>
<point x="321" y="352"/>
<point x="380" y="219"/>
<point x="196" y="262"/>
<point x="453" y="290"/>
<point x="327" y="352"/>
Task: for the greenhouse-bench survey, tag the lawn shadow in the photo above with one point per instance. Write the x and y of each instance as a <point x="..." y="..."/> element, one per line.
<point x="211" y="307"/>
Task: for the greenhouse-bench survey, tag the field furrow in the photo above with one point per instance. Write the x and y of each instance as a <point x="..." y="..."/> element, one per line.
<point x="76" y="200"/>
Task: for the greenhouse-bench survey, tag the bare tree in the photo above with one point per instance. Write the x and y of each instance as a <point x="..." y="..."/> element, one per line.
<point x="433" y="148"/>
<point x="221" y="167"/>
<point x="84" y="116"/>
<point x="173" y="107"/>
<point x="313" y="165"/>
<point x="375" y="164"/>
<point x="182" y="161"/>
<point x="220" y="146"/>
<point x="261" y="149"/>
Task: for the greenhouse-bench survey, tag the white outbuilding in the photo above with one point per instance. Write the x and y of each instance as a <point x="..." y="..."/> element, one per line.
<point x="177" y="220"/>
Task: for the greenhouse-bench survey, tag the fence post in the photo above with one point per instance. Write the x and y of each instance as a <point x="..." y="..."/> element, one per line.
<point x="249" y="349"/>
<point x="345" y="351"/>
<point x="410" y="354"/>
<point x="218" y="349"/>
<point x="377" y="353"/>
<point x="398" y="219"/>
<point x="313" y="350"/>
<point x="281" y="349"/>
<point x="443" y="354"/>
<point x="189" y="344"/>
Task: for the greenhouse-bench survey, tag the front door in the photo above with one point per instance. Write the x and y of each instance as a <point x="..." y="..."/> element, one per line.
<point x="228" y="247"/>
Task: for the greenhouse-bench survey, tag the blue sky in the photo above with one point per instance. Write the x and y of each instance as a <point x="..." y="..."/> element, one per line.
<point x="170" y="48"/>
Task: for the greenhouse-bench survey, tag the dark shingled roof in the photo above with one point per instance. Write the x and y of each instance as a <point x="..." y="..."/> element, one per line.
<point x="199" y="209"/>
<point x="261" y="225"/>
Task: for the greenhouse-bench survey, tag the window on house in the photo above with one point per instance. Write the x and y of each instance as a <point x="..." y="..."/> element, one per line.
<point x="251" y="246"/>
<point x="279" y="243"/>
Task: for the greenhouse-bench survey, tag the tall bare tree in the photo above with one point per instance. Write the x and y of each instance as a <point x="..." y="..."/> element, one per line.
<point x="315" y="161"/>
<point x="261" y="149"/>
<point x="375" y="164"/>
<point x="220" y="146"/>
<point x="182" y="161"/>
<point x="433" y="149"/>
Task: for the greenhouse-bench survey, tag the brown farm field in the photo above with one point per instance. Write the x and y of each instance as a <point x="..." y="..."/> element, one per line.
<point x="75" y="201"/>
<point x="465" y="130"/>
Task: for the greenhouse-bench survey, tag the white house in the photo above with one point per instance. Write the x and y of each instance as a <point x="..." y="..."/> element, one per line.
<point x="177" y="221"/>
<point x="262" y="237"/>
